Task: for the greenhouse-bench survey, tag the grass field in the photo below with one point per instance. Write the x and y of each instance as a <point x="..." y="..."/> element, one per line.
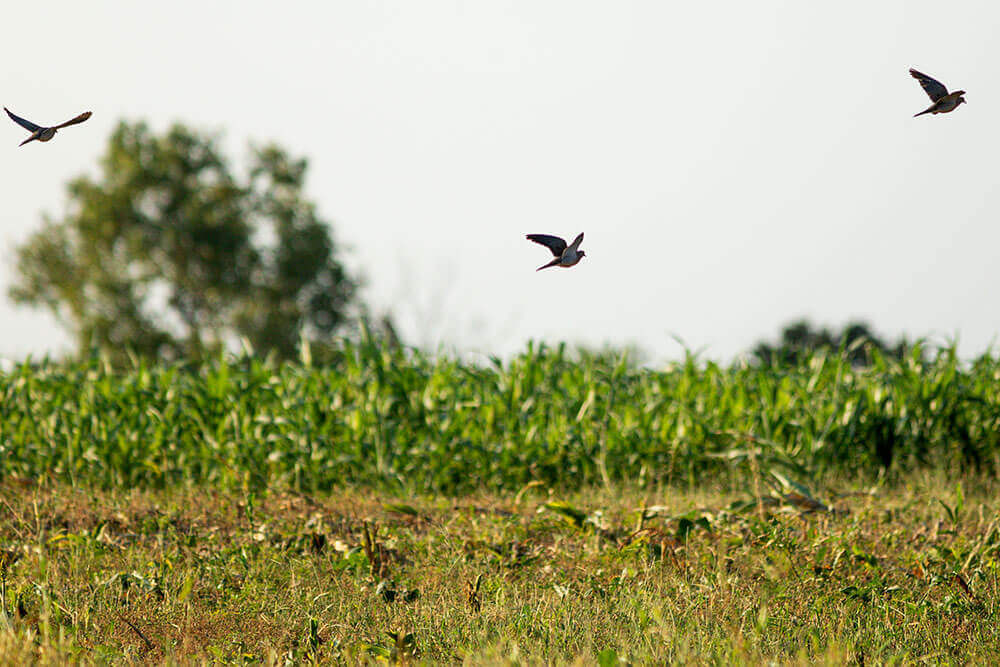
<point x="559" y="508"/>
<point x="708" y="575"/>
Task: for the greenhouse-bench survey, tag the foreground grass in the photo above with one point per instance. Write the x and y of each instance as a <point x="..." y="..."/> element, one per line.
<point x="908" y="573"/>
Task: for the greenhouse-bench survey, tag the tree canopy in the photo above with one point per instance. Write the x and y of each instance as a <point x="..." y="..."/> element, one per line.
<point x="171" y="254"/>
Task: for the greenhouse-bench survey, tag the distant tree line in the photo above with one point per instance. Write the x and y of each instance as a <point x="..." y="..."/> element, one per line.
<point x="801" y="339"/>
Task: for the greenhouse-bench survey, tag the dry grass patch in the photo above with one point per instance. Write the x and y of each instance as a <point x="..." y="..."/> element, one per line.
<point x="906" y="573"/>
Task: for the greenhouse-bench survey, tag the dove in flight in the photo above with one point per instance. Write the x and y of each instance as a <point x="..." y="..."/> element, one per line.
<point x="40" y="133"/>
<point x="943" y="101"/>
<point x="565" y="255"/>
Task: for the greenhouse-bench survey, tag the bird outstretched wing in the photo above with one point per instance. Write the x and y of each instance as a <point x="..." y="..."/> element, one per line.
<point x="555" y="244"/>
<point x="575" y="245"/>
<point x="79" y="119"/>
<point x="934" y="88"/>
<point x="26" y="124"/>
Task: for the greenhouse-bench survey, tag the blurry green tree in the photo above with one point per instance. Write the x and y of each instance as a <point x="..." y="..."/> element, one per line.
<point x="800" y="340"/>
<point x="171" y="255"/>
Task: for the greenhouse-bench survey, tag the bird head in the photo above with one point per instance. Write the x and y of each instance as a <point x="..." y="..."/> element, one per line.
<point x="581" y="253"/>
<point x="961" y="99"/>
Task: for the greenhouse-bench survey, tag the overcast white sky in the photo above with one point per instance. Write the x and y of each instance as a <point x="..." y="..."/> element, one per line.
<point x="734" y="165"/>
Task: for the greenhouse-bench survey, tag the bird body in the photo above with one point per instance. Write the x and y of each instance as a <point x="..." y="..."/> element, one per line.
<point x="39" y="133"/>
<point x="943" y="101"/>
<point x="946" y="104"/>
<point x="565" y="255"/>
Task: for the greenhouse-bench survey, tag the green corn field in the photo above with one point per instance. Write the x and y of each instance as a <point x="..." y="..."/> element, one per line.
<point x="404" y="421"/>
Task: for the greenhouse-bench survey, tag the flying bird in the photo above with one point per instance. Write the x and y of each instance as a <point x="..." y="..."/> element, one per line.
<point x="40" y="133"/>
<point x="942" y="99"/>
<point x="565" y="255"/>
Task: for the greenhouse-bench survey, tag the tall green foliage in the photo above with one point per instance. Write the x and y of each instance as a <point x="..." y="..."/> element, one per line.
<point x="387" y="417"/>
<point x="171" y="254"/>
